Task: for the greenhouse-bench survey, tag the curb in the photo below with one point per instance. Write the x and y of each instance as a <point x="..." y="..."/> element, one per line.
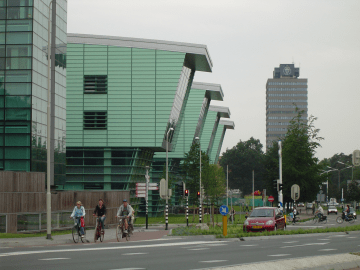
<point x="338" y="266"/>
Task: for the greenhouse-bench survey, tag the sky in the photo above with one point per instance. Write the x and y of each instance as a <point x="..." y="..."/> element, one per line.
<point x="246" y="39"/>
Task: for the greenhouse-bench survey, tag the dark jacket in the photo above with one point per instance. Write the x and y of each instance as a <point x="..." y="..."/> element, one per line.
<point x="100" y="212"/>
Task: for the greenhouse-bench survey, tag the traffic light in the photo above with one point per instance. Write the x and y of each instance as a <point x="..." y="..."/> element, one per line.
<point x="198" y="194"/>
<point x="280" y="187"/>
<point x="186" y="193"/>
<point x="181" y="188"/>
<point x="276" y="185"/>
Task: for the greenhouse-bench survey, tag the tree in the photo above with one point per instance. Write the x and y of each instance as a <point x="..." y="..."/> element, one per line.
<point x="214" y="182"/>
<point x="353" y="192"/>
<point x="191" y="170"/>
<point x="242" y="159"/>
<point x="300" y="166"/>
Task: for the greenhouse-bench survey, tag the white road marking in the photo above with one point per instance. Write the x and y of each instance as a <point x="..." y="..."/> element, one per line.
<point x="352" y="237"/>
<point x="53" y="259"/>
<point x="290" y="242"/>
<point x="279" y="255"/>
<point x="248" y="245"/>
<point x="326" y="239"/>
<point x="215" y="245"/>
<point x="339" y="235"/>
<point x="128" y="269"/>
<point x="97" y="248"/>
<point x="198" y="248"/>
<point x="328" y="249"/>
<point x="304" y="245"/>
<point x="213" y="261"/>
<point x="134" y="254"/>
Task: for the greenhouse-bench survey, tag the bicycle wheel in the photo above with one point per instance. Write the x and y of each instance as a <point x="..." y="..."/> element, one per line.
<point x="75" y="234"/>
<point x="102" y="234"/>
<point x="127" y="237"/>
<point x="119" y="233"/>
<point x="315" y="219"/>
<point x="96" y="234"/>
<point x="339" y="220"/>
<point x="83" y="239"/>
<point x="297" y="219"/>
<point x="352" y="220"/>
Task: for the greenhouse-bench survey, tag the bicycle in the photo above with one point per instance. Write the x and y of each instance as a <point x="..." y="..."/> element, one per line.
<point x="76" y="233"/>
<point x="318" y="219"/>
<point x="342" y="218"/>
<point x="99" y="233"/>
<point x="297" y="219"/>
<point x="120" y="229"/>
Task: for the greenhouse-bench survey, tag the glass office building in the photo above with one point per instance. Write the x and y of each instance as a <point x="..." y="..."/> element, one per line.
<point x="123" y="95"/>
<point x="211" y="127"/>
<point x="23" y="89"/>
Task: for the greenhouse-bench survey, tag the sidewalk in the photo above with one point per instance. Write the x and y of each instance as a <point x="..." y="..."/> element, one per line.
<point x="140" y="234"/>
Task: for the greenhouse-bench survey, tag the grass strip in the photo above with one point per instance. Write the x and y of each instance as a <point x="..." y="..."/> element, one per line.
<point x="237" y="231"/>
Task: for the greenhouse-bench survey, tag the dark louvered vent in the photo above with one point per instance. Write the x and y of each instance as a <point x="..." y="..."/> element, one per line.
<point x="95" y="84"/>
<point x="95" y="120"/>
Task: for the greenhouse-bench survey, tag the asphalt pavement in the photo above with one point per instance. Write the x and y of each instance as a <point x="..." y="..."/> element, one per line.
<point x="306" y="251"/>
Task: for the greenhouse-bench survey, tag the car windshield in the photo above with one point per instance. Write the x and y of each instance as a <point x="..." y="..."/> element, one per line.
<point x="262" y="213"/>
<point x="332" y="207"/>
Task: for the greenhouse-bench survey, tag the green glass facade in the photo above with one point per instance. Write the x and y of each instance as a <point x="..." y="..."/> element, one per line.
<point x="23" y="90"/>
<point x="122" y="97"/>
<point x="219" y="139"/>
<point x="211" y="127"/>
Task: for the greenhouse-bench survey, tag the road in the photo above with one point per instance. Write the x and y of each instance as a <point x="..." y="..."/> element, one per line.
<point x="177" y="253"/>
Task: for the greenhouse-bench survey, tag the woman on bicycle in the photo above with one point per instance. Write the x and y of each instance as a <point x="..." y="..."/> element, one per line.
<point x="100" y="212"/>
<point x="77" y="213"/>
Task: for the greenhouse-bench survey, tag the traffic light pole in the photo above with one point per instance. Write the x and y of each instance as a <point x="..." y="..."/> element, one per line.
<point x="147" y="194"/>
<point x="280" y="198"/>
<point x="187" y="211"/>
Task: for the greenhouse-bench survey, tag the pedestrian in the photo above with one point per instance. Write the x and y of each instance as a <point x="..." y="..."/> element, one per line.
<point x="232" y="214"/>
<point x="247" y="207"/>
<point x="294" y="214"/>
<point x="313" y="208"/>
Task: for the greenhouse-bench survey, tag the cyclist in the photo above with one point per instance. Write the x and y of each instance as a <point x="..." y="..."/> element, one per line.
<point x="77" y="213"/>
<point x="125" y="210"/>
<point x="347" y="212"/>
<point x="294" y="214"/>
<point x="319" y="212"/>
<point x="100" y="212"/>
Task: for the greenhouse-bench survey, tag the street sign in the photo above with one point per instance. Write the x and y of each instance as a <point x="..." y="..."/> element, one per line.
<point x="163" y="188"/>
<point x="153" y="188"/>
<point x="144" y="185"/>
<point x="142" y="195"/>
<point x="295" y="192"/>
<point x="224" y="210"/>
<point x="271" y="198"/>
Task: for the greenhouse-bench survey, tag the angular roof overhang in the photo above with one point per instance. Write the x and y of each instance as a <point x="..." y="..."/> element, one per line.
<point x="222" y="111"/>
<point x="228" y="124"/>
<point x="213" y="91"/>
<point x="197" y="55"/>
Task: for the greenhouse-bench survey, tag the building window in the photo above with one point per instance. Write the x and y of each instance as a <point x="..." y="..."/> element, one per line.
<point x="95" y="120"/>
<point x="95" y="84"/>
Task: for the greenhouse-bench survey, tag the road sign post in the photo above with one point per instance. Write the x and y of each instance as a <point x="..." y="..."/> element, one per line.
<point x="224" y="210"/>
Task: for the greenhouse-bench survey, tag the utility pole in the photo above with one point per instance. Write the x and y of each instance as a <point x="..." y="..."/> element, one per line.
<point x="253" y="188"/>
<point x="280" y="197"/>
<point x="147" y="178"/>
<point x="227" y="185"/>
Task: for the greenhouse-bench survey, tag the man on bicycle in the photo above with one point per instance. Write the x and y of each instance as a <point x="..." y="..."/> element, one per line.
<point x="319" y="212"/>
<point x="294" y="214"/>
<point x="125" y="210"/>
<point x="347" y="212"/>
<point x="77" y="213"/>
<point x="100" y="212"/>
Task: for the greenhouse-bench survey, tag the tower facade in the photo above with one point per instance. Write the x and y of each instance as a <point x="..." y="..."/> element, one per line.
<point x="284" y="92"/>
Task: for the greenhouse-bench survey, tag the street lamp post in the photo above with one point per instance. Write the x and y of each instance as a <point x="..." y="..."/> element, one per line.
<point x="352" y="169"/>
<point x="197" y="138"/>
<point x="334" y="169"/>
<point x="167" y="179"/>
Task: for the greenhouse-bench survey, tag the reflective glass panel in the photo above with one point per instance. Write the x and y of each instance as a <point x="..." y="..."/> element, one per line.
<point x="19" y="25"/>
<point x="17" y="3"/>
<point x="18" y="38"/>
<point x="2" y="3"/>
<point x="18" y="63"/>
<point x="2" y="63"/>
<point x="18" y="114"/>
<point x="18" y="102"/>
<point x="2" y="38"/>
<point x="17" y="165"/>
<point x="16" y="13"/>
<point x="17" y="140"/>
<point x="1" y="116"/>
<point x="17" y="153"/>
<point x="18" y="50"/>
<point x="18" y="89"/>
<point x="18" y="76"/>
<point x="2" y="50"/>
<point x="2" y="13"/>
<point x="2" y="26"/>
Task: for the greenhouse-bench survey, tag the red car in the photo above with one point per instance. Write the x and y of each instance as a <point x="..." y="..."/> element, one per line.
<point x="264" y="218"/>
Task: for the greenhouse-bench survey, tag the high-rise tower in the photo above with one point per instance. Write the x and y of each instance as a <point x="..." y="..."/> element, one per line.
<point x="284" y="92"/>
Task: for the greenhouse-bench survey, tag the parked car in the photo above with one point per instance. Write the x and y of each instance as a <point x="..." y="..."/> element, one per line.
<point x="264" y="218"/>
<point x="332" y="209"/>
<point x="301" y="204"/>
<point x="309" y="205"/>
<point x="353" y="212"/>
